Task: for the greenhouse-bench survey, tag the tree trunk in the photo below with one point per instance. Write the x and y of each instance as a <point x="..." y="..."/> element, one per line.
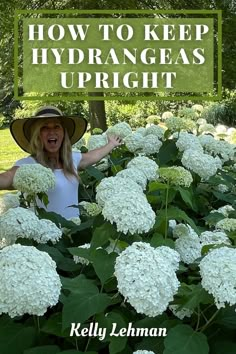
<point x="97" y="112"/>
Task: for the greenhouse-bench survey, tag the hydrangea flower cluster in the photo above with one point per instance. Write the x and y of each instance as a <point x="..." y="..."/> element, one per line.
<point x="146" y="278"/>
<point x="146" y="165"/>
<point x="134" y="142"/>
<point x="82" y="260"/>
<point x="214" y="238"/>
<point x="188" y="243"/>
<point x="222" y="188"/>
<point x="115" y="185"/>
<point x="78" y="145"/>
<point x="143" y="352"/>
<point x="227" y="224"/>
<point x="130" y="211"/>
<point x="33" y="179"/>
<point x="217" y="270"/>
<point x="176" y="175"/>
<point x="156" y="130"/>
<point x="175" y="124"/>
<point x="120" y="129"/>
<point x="166" y="115"/>
<point x="135" y="174"/>
<point x="8" y="201"/>
<point x="103" y="164"/>
<point x="29" y="281"/>
<point x="188" y="141"/>
<point x="96" y="141"/>
<point x="23" y="223"/>
<point x="220" y="148"/>
<point x="151" y="145"/>
<point x="202" y="164"/>
<point x="92" y="209"/>
<point x="225" y="210"/>
<point x="206" y="128"/>
<point x="180" y="313"/>
<point x="197" y="108"/>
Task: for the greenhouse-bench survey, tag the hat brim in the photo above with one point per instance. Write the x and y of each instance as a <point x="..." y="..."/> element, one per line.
<point x="20" y="129"/>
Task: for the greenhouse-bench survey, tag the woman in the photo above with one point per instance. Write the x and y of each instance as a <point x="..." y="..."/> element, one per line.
<point x="48" y="137"/>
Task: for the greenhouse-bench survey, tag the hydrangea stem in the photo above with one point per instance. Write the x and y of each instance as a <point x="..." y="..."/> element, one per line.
<point x="209" y="321"/>
<point x="166" y="209"/>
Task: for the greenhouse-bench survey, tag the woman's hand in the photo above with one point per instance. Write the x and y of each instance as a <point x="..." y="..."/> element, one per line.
<point x="114" y="140"/>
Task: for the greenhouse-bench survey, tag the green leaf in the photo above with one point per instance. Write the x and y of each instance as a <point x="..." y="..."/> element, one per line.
<point x="49" y="349"/>
<point x="113" y="321"/>
<point x="79" y="307"/>
<point x="223" y="347"/>
<point x="187" y="197"/>
<point x="103" y="264"/>
<point x="182" y="339"/>
<point x="158" y="240"/>
<point x="14" y="337"/>
<point x="192" y="295"/>
<point x="94" y="172"/>
<point x="53" y="325"/>
<point x="102" y="234"/>
<point x="78" y="284"/>
<point x="227" y="317"/>
<point x="168" y="152"/>
<point x="176" y="214"/>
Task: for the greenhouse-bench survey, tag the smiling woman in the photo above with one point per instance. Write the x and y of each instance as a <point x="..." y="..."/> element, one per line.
<point x="48" y="137"/>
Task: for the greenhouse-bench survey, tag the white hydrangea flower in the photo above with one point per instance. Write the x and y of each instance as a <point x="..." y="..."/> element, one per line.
<point x="225" y="210"/>
<point x="176" y="175"/>
<point x="151" y="145"/>
<point x="33" y="179"/>
<point x="221" y="148"/>
<point x="92" y="209"/>
<point x="103" y="164"/>
<point x="134" y="142"/>
<point x="175" y="124"/>
<point x="222" y="188"/>
<point x="214" y="238"/>
<point x="201" y="121"/>
<point x="203" y="165"/>
<point x="169" y="254"/>
<point x="220" y="128"/>
<point x="197" y="108"/>
<point x="172" y="224"/>
<point x="188" y="141"/>
<point x="76" y="220"/>
<point x="23" y="223"/>
<point x="130" y="211"/>
<point x="29" y="281"/>
<point x="141" y="130"/>
<point x="135" y="174"/>
<point x="8" y="201"/>
<point x="78" y="145"/>
<point x="113" y="185"/>
<point x="146" y="279"/>
<point x="82" y="260"/>
<point x="96" y="141"/>
<point x="188" y="244"/>
<point x="18" y="222"/>
<point x="227" y="224"/>
<point x="146" y="165"/>
<point x="217" y="270"/>
<point x="155" y="130"/>
<point x="143" y="352"/>
<point x="166" y="115"/>
<point x="121" y="130"/>
<point x="180" y="313"/>
<point x="47" y="231"/>
<point x="206" y="128"/>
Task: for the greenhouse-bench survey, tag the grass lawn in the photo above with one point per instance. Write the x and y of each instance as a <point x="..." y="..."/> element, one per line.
<point x="9" y="151"/>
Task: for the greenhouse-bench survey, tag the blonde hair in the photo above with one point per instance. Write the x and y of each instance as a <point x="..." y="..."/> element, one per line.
<point x="40" y="155"/>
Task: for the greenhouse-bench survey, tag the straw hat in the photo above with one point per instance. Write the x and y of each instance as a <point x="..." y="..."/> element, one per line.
<point x="21" y="128"/>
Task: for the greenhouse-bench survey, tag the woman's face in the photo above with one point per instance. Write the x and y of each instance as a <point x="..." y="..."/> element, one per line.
<point x="52" y="134"/>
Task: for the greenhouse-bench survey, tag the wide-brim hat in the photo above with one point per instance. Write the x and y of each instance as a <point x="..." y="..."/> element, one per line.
<point x="21" y="129"/>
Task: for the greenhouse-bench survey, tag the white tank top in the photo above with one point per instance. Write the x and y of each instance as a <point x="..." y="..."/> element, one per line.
<point x="65" y="192"/>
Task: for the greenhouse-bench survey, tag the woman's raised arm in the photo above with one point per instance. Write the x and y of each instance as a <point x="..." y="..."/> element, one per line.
<point x="6" y="178"/>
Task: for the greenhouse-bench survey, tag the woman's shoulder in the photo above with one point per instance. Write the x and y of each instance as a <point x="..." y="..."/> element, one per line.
<point x="76" y="157"/>
<point x="25" y="160"/>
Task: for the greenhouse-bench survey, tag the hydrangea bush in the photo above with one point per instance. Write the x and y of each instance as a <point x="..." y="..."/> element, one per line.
<point x="154" y="247"/>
